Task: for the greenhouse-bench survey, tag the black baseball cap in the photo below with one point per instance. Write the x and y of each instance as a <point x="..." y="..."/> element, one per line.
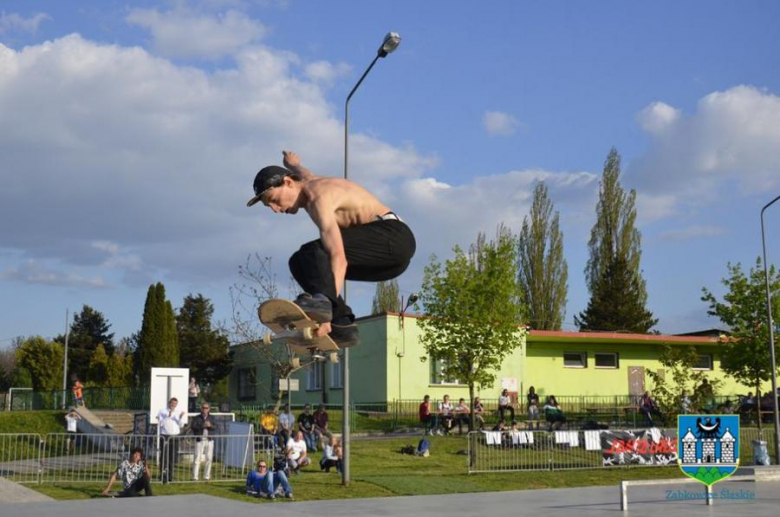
<point x="268" y="178"/>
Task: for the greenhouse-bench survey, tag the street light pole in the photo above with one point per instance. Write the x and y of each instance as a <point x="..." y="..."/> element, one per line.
<point x="776" y="410"/>
<point x="391" y="42"/>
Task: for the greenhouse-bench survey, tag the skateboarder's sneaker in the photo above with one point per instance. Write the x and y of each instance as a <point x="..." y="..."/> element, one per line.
<point x="317" y="307"/>
<point x="345" y="335"/>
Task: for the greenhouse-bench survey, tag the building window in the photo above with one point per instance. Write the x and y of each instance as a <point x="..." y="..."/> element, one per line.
<point x="575" y="359"/>
<point x="703" y="362"/>
<point x="314" y="376"/>
<point x="438" y="375"/>
<point x="246" y="383"/>
<point x="606" y="360"/>
<point x="337" y="373"/>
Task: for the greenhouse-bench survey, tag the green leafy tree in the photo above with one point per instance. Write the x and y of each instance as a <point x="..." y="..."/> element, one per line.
<point x="7" y="369"/>
<point x="473" y="305"/>
<point x="615" y="303"/>
<point x="615" y="243"/>
<point x="120" y="370"/>
<point x="204" y="350"/>
<point x="89" y="330"/>
<point x="746" y="355"/>
<point x="158" y="343"/>
<point x="680" y="381"/>
<point x="543" y="272"/>
<point x="386" y="298"/>
<point x="43" y="360"/>
<point x="98" y="367"/>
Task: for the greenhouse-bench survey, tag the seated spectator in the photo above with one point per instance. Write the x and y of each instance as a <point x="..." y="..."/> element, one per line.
<point x="321" y="431"/>
<point x="505" y="404"/>
<point x="648" y="408"/>
<point x="306" y="426"/>
<point x="479" y="410"/>
<point x="427" y="418"/>
<point x="286" y="423"/>
<point x="553" y="414"/>
<point x="134" y="473"/>
<point x="533" y="407"/>
<point x="462" y="412"/>
<point x="506" y="438"/>
<point x="728" y="407"/>
<point x="445" y="414"/>
<point x="330" y="455"/>
<point x="500" y="426"/>
<point x="685" y="403"/>
<point x="264" y="483"/>
<point x="269" y="425"/>
<point x="297" y="453"/>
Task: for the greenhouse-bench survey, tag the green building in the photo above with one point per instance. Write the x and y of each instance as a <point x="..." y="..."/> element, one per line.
<point x="391" y="364"/>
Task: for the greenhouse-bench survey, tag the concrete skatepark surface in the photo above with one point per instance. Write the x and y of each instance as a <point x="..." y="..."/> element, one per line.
<point x="575" y="502"/>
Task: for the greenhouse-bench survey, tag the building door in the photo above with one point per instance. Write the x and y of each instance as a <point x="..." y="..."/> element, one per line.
<point x="636" y="381"/>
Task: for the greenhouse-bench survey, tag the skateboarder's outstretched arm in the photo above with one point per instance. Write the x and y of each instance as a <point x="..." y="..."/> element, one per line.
<point x="293" y="162"/>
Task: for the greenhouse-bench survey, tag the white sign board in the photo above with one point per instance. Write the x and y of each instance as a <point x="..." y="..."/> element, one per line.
<point x="294" y="385"/>
<point x="239" y="452"/>
<point x="509" y="384"/>
<point x="168" y="383"/>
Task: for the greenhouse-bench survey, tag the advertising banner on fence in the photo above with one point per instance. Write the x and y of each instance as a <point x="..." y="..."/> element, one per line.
<point x="640" y="447"/>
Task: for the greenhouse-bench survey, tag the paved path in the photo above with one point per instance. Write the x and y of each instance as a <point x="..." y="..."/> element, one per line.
<point x="12" y="493"/>
<point x="572" y="502"/>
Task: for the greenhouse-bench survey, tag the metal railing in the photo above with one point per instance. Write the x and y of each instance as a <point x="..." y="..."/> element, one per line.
<point x="506" y="451"/>
<point x="94" y="398"/>
<point x="20" y="457"/>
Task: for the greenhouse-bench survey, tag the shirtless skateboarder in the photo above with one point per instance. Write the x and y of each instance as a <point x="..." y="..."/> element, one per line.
<point x="360" y="239"/>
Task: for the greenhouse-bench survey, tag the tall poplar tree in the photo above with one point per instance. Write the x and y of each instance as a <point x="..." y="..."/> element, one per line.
<point x="158" y="342"/>
<point x="543" y="273"/>
<point x="386" y="298"/>
<point x="615" y="244"/>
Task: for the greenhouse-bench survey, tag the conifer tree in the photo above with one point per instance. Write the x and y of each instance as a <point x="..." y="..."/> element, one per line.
<point x="205" y="351"/>
<point x="158" y="344"/>
<point x="543" y="272"/>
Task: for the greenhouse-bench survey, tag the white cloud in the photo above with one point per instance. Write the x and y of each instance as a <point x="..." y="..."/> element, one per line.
<point x="34" y="272"/>
<point x="693" y="232"/>
<point x="182" y="33"/>
<point x="13" y="21"/>
<point x="731" y="141"/>
<point x="499" y="123"/>
<point x="325" y="72"/>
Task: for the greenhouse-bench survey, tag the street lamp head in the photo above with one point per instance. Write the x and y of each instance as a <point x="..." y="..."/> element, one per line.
<point x="391" y="42"/>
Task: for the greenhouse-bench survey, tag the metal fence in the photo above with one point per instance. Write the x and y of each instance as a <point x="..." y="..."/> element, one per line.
<point x="507" y="451"/>
<point x="94" y="398"/>
<point x="92" y="458"/>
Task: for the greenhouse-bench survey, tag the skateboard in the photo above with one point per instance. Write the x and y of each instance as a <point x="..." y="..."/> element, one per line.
<point x="289" y="323"/>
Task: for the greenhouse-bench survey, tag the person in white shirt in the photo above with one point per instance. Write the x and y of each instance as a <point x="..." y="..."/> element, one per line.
<point x="169" y="424"/>
<point x="505" y="404"/>
<point x="297" y="454"/>
<point x="72" y="421"/>
<point x="286" y="424"/>
<point x="445" y="414"/>
<point x="330" y="455"/>
<point x="192" y="394"/>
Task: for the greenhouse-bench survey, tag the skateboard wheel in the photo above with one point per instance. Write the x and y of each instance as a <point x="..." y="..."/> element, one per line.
<point x="295" y="362"/>
<point x="307" y="333"/>
<point x="334" y="357"/>
<point x="267" y="338"/>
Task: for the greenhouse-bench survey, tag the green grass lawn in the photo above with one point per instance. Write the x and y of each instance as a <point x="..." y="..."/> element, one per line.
<point x="379" y="470"/>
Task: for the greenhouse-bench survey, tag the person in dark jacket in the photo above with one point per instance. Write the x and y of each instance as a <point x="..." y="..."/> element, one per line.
<point x="204" y="427"/>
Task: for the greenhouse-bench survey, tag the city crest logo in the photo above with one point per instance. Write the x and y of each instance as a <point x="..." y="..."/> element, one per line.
<point x="708" y="446"/>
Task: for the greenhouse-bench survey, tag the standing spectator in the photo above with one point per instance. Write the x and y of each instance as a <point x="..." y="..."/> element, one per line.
<point x="505" y="404"/>
<point x="72" y="423"/>
<point x="554" y="414"/>
<point x="297" y="454"/>
<point x="479" y="410"/>
<point x="264" y="483"/>
<point x="204" y="427"/>
<point x="705" y="395"/>
<point x="427" y="418"/>
<point x="321" y="431"/>
<point x="78" y="393"/>
<point x="169" y="424"/>
<point x="533" y="408"/>
<point x="330" y="455"/>
<point x="269" y="425"/>
<point x="685" y="402"/>
<point x="462" y="412"/>
<point x="648" y="408"/>
<point x="134" y="473"/>
<point x="306" y="426"/>
<point x="286" y="423"/>
<point x="193" y="392"/>
<point x="445" y="414"/>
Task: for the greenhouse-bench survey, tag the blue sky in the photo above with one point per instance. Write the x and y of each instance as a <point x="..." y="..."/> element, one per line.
<point x="131" y="132"/>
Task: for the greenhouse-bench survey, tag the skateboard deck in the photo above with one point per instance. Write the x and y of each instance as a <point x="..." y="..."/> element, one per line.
<point x="289" y="323"/>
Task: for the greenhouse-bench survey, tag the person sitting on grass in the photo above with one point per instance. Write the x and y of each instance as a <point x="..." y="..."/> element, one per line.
<point x="553" y="414"/>
<point x="297" y="454"/>
<point x="134" y="473"/>
<point x="264" y="483"/>
<point x="479" y="413"/>
<point x="462" y="412"/>
<point x="330" y="455"/>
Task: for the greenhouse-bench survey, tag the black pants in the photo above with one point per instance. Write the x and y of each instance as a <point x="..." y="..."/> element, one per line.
<point x="377" y="251"/>
<point x="134" y="490"/>
<point x="504" y="409"/>
<point x="169" y="457"/>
